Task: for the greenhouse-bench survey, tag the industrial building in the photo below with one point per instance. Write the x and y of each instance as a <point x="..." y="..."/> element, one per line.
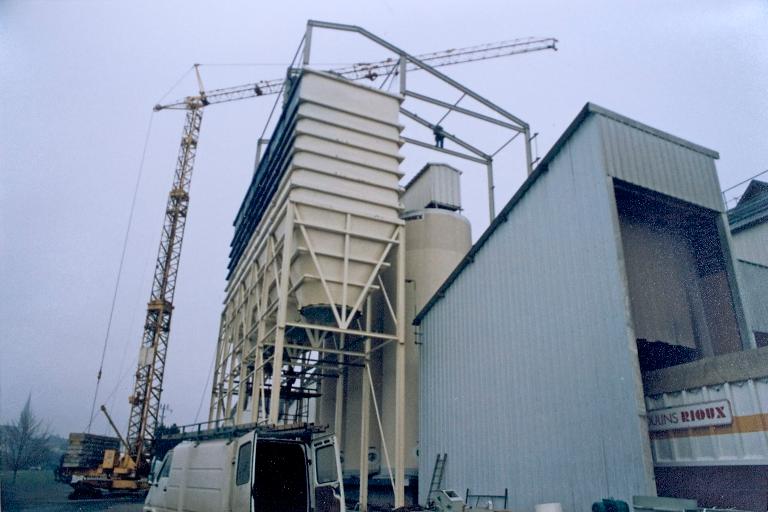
<point x="599" y="339"/>
<point x="602" y="337"/>
<point x="607" y="336"/>
<point x="749" y="231"/>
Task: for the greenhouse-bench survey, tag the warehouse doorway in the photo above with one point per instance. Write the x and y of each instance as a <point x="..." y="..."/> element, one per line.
<point x="679" y="289"/>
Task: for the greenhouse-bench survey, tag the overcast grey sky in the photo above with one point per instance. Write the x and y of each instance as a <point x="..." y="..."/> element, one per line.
<point x="79" y="79"/>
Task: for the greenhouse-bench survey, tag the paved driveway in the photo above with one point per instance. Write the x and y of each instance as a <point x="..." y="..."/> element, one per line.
<point x="36" y="491"/>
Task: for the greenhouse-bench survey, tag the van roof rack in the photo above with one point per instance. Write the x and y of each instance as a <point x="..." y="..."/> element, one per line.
<point x="222" y="429"/>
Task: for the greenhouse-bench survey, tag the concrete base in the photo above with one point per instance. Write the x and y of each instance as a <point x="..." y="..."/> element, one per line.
<point x="380" y="491"/>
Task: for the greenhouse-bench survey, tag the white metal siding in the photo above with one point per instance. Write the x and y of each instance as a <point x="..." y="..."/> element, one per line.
<point x="436" y="184"/>
<point x="753" y="284"/>
<point x="656" y="163"/>
<point x="743" y="442"/>
<point x="527" y="375"/>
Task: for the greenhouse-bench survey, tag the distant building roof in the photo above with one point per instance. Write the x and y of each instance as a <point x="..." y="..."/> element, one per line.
<point x="752" y="208"/>
<point x="588" y="110"/>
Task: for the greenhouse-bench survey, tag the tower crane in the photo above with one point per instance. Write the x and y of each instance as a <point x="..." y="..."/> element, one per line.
<point x="147" y="390"/>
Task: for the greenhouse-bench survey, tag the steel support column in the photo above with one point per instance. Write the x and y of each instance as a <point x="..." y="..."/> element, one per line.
<point x="258" y="377"/>
<point x="400" y="377"/>
<point x="365" y="414"/>
<point x="282" y="311"/>
<point x="338" y="410"/>
<point x="491" y="187"/>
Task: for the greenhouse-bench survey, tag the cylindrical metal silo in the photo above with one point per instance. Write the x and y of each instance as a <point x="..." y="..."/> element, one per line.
<point x="437" y="238"/>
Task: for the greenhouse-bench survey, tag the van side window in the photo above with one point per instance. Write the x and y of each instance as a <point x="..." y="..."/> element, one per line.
<point x="243" y="474"/>
<point x="166" y="469"/>
<point x="326" y="464"/>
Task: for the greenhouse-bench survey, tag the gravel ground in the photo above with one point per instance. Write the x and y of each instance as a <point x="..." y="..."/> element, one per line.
<point x="37" y="491"/>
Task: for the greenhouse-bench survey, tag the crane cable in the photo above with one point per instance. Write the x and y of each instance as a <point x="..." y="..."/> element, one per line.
<point x="205" y="388"/>
<point x="120" y="270"/>
<point x="125" y="247"/>
<point x="124" y="370"/>
<point x="736" y="198"/>
<point x="282" y="88"/>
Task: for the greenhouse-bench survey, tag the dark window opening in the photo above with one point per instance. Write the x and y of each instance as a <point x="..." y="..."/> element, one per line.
<point x="280" y="479"/>
<point x="655" y="355"/>
<point x="761" y="339"/>
<point x="325" y="464"/>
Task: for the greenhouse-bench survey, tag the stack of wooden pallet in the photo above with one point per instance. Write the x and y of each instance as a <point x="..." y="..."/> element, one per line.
<point x="87" y="450"/>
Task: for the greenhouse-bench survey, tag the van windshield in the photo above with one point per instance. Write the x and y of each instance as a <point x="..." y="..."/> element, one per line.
<point x="280" y="480"/>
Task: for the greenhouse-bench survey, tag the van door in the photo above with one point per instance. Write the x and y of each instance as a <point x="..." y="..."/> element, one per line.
<point x="326" y="475"/>
<point x="157" y="497"/>
<point x="281" y="476"/>
<point x="243" y="473"/>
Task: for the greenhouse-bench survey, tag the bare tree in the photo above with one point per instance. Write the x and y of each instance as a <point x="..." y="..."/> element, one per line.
<point x="25" y="442"/>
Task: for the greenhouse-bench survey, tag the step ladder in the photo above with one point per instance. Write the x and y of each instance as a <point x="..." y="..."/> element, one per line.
<point x="437" y="475"/>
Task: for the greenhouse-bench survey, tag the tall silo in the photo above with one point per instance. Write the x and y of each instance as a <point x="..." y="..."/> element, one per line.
<point x="325" y="227"/>
<point x="318" y="225"/>
<point x="438" y="236"/>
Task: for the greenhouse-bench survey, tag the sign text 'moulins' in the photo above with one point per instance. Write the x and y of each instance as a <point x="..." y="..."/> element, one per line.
<point x="705" y="414"/>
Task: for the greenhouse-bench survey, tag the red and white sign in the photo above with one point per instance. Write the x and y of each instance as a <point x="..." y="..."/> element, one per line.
<point x="705" y="414"/>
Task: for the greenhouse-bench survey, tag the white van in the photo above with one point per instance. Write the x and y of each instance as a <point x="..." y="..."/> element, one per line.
<point x="256" y="472"/>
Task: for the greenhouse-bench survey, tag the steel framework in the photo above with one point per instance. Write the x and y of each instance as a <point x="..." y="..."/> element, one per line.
<point x="269" y="366"/>
<point x="258" y="333"/>
<point x="271" y="362"/>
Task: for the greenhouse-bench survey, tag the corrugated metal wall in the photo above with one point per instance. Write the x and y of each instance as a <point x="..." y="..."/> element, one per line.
<point x="650" y="161"/>
<point x="528" y="380"/>
<point x="753" y="284"/>
<point x="751" y="244"/>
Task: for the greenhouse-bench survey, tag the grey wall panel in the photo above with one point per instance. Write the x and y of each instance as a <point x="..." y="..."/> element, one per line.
<point x="526" y="369"/>
<point x="751" y="244"/>
<point x="657" y="163"/>
<point x="753" y="283"/>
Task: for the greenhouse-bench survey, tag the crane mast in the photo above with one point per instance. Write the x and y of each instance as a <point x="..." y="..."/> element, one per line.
<point x="145" y="400"/>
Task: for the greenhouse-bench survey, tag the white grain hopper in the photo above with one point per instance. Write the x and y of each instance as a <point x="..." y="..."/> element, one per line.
<point x="319" y="227"/>
<point x="325" y="208"/>
<point x="342" y="174"/>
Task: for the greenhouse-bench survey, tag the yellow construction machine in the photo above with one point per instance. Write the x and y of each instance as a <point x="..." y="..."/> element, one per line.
<point x="118" y="474"/>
